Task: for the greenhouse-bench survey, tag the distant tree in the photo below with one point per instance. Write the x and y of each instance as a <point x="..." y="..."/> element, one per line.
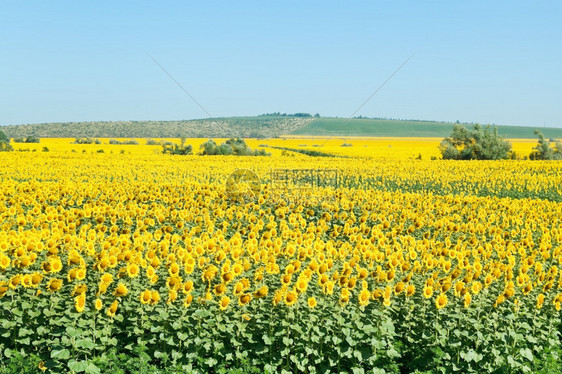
<point x="86" y="141"/>
<point x="32" y="139"/>
<point x="544" y="151"/>
<point x="233" y="146"/>
<point x="4" y="137"/>
<point x="177" y="149"/>
<point x="480" y="143"/>
<point x="5" y="145"/>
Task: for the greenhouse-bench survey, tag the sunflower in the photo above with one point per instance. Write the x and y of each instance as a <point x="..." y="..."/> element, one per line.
<point x="238" y="288"/>
<point x="219" y="289"/>
<point x="54" y="285"/>
<point x="427" y="292"/>
<point x="410" y="290"/>
<point x="302" y="285"/>
<point x="150" y="272"/>
<point x="467" y="299"/>
<point x="172" y="296"/>
<point x="80" y="302"/>
<point x="98" y="304"/>
<point x="344" y="296"/>
<point x="364" y="297"/>
<point x="154" y="297"/>
<point x="540" y="301"/>
<point x="261" y="292"/>
<point x="106" y="278"/>
<point x="399" y="287"/>
<point x="56" y="265"/>
<point x="244" y="299"/>
<point x="4" y="261"/>
<point x="187" y="301"/>
<point x="121" y="290"/>
<point x="112" y="309"/>
<point x="223" y="303"/>
<point x="187" y="287"/>
<point x="312" y="302"/>
<point x="291" y="298"/>
<point x="145" y="297"/>
<point x="133" y="270"/>
<point x="441" y="301"/>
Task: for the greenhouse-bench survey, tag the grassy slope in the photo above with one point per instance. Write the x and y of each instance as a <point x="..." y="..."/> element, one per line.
<point x="392" y="128"/>
<point x="260" y="126"/>
<point x="203" y="128"/>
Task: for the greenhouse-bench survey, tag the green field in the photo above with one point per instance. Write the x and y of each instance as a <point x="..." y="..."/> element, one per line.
<point x="395" y="128"/>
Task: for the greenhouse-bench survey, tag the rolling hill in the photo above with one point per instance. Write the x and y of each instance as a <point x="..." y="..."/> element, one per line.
<point x="257" y="126"/>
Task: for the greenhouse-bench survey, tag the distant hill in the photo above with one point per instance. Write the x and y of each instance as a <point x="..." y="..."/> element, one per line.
<point x="248" y="127"/>
<point x="398" y="128"/>
<point x="265" y="126"/>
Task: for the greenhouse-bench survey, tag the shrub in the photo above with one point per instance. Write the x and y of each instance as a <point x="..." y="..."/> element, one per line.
<point x="233" y="146"/>
<point x="544" y="151"/>
<point x="152" y="142"/>
<point x="3" y="137"/>
<point x="86" y="141"/>
<point x="5" y="147"/>
<point x="177" y="149"/>
<point x="480" y="143"/>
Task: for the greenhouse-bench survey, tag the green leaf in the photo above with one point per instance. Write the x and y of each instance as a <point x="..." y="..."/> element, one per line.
<point x="92" y="369"/>
<point x="267" y="340"/>
<point x="287" y="341"/>
<point x="85" y="343"/>
<point x="61" y="354"/>
<point x="73" y="332"/>
<point x="527" y="353"/>
<point x="211" y="362"/>
<point x="77" y="366"/>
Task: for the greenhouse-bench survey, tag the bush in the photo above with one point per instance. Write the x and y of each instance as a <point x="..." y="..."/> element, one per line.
<point x="177" y="149"/>
<point x="233" y="146"/>
<point x="125" y="142"/>
<point x="29" y="139"/>
<point x="3" y="137"/>
<point x="544" y="151"/>
<point x="86" y="141"/>
<point x="480" y="143"/>
<point x="152" y="142"/>
<point x="6" y="147"/>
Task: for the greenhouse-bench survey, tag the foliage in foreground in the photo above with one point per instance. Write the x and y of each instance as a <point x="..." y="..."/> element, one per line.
<point x="480" y="143"/>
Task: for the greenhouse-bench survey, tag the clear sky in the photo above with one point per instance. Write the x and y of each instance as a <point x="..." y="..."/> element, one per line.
<point x="474" y="61"/>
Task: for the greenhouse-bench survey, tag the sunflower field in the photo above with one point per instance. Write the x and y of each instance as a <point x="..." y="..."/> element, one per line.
<point x="129" y="260"/>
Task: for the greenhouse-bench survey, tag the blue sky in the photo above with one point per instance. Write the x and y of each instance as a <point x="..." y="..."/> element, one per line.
<point x="474" y="61"/>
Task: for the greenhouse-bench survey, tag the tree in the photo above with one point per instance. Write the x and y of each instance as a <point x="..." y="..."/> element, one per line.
<point x="544" y="151"/>
<point x="233" y="146"/>
<point x="480" y="143"/>
<point x="4" y="137"/>
<point x="177" y="149"/>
